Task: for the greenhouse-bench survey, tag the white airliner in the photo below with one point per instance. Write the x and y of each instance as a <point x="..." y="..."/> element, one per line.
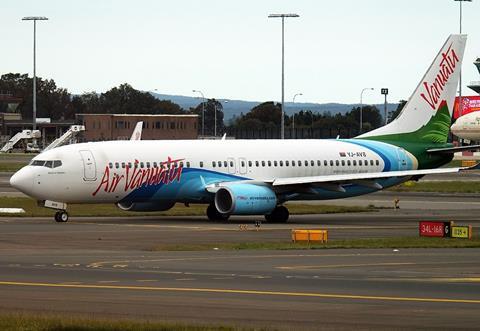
<point x="255" y="177"/>
<point x="467" y="126"/>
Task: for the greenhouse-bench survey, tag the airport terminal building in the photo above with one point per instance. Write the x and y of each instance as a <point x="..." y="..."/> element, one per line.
<point x="100" y="127"/>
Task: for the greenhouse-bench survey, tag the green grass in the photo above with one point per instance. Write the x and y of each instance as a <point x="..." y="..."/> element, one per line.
<point x="11" y="166"/>
<point x="87" y="210"/>
<point x="49" y="322"/>
<point x="398" y="242"/>
<point x="442" y="187"/>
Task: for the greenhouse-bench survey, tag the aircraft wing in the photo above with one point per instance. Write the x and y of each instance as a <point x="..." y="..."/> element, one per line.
<point x="367" y="178"/>
<point x="333" y="182"/>
<point x="451" y="150"/>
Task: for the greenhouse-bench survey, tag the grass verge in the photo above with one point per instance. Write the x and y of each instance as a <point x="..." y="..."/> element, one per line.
<point x="397" y="242"/>
<point x="11" y="166"/>
<point x="38" y="322"/>
<point x="441" y="187"/>
<point x="32" y="210"/>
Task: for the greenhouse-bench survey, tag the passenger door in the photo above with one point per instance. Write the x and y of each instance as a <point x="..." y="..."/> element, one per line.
<point x="231" y="165"/>
<point x="89" y="166"/>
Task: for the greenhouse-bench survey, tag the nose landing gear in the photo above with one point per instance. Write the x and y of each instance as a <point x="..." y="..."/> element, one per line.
<point x="61" y="216"/>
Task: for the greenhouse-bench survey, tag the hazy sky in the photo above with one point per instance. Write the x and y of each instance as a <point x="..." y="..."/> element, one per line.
<point x="230" y="49"/>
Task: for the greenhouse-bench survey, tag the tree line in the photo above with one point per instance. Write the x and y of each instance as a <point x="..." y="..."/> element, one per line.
<point x="58" y="104"/>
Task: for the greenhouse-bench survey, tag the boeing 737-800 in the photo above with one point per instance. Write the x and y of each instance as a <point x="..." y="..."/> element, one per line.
<point x="255" y="177"/>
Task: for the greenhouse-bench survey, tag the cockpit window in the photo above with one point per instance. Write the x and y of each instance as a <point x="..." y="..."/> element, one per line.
<point x="48" y="164"/>
<point x="37" y="163"/>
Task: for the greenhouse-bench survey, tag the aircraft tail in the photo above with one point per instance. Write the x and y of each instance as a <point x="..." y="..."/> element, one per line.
<point x="426" y="117"/>
<point x="137" y="132"/>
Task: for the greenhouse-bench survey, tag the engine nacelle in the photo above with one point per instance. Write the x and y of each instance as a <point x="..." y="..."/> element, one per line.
<point x="147" y="206"/>
<point x="245" y="199"/>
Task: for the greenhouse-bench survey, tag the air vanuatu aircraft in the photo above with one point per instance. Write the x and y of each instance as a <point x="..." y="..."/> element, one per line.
<point x="255" y="177"/>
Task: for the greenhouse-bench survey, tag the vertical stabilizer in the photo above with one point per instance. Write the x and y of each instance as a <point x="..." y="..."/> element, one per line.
<point x="137" y="132"/>
<point x="427" y="115"/>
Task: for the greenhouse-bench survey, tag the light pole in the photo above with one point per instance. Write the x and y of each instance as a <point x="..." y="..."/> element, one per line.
<point x="361" y="106"/>
<point x="460" y="105"/>
<point x="282" y="16"/>
<point x="34" y="19"/>
<point x="293" y="119"/>
<point x="203" y="111"/>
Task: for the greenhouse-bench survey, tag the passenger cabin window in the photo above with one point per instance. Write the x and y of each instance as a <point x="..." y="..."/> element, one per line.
<point x="337" y="163"/>
<point x="123" y="165"/>
<point x="148" y="164"/>
<point x="343" y="163"/>
<point x="331" y="163"/>
<point x="225" y="164"/>
<point x="325" y="163"/>
<point x="257" y="164"/>
<point x="269" y="163"/>
<point x="231" y="163"/>
<point x="349" y="163"/>
<point x="213" y="164"/>
<point x="281" y="163"/>
<point x="377" y="162"/>
<point x="371" y="162"/>
<point x="201" y="164"/>
<point x="293" y="163"/>
<point x="275" y="163"/>
<point x="188" y="164"/>
<point x="250" y="163"/>
<point x="117" y="165"/>
<point x="286" y="163"/>
<point x="141" y="164"/>
<point x="263" y="163"/>
<point x="312" y="163"/>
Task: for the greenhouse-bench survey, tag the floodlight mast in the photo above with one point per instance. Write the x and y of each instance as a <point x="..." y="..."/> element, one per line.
<point x="282" y="16"/>
<point x="34" y="19"/>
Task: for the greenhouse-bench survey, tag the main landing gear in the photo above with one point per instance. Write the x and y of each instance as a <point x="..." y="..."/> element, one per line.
<point x="214" y="215"/>
<point x="279" y="215"/>
<point x="61" y="216"/>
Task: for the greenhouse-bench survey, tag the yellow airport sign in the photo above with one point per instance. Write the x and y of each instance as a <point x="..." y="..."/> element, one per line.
<point x="464" y="232"/>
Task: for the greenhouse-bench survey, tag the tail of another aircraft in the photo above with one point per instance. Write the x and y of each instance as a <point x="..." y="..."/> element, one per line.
<point x="137" y="132"/>
<point x="426" y="117"/>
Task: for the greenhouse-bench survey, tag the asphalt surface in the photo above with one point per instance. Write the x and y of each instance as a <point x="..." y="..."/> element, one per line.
<point x="112" y="267"/>
<point x="109" y="267"/>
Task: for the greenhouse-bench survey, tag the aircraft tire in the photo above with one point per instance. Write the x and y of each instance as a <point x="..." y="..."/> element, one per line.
<point x="61" y="216"/>
<point x="214" y="215"/>
<point x="279" y="215"/>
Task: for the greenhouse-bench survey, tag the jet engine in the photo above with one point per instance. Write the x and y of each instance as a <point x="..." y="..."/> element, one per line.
<point x="147" y="206"/>
<point x="245" y="199"/>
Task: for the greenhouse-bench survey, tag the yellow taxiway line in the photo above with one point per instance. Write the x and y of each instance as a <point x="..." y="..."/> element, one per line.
<point x="234" y="291"/>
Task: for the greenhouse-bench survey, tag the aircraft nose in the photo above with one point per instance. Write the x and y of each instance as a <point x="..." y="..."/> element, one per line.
<point x="22" y="180"/>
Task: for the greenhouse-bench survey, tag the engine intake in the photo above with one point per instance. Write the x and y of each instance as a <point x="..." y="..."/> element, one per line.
<point x="245" y="199"/>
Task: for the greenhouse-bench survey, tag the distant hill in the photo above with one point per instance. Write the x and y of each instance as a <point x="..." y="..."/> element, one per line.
<point x="233" y="108"/>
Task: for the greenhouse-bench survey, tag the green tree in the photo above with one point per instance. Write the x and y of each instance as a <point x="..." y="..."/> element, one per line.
<point x="211" y="105"/>
<point x="394" y="114"/>
<point x="52" y="102"/>
<point x="263" y="116"/>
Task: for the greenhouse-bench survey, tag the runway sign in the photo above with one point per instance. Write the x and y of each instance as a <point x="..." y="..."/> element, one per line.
<point x="434" y="229"/>
<point x="464" y="232"/>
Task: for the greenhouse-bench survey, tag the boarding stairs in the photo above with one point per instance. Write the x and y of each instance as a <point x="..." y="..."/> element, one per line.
<point x="24" y="134"/>
<point x="67" y="137"/>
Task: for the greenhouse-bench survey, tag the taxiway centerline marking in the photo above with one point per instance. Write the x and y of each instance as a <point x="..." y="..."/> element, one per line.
<point x="235" y="291"/>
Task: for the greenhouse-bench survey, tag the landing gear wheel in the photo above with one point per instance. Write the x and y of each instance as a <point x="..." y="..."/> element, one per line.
<point x="61" y="216"/>
<point x="279" y="215"/>
<point x="214" y="215"/>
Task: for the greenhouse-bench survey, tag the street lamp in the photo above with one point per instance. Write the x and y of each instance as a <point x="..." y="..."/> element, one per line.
<point x="203" y="111"/>
<point x="361" y="104"/>
<point x="460" y="105"/>
<point x="34" y="19"/>
<point x="293" y="119"/>
<point x="282" y="16"/>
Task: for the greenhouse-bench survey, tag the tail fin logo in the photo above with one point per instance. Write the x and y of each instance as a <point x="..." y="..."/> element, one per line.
<point x="446" y="69"/>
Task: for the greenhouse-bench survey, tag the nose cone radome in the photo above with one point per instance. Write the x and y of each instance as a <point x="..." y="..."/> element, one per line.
<point x="22" y="181"/>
